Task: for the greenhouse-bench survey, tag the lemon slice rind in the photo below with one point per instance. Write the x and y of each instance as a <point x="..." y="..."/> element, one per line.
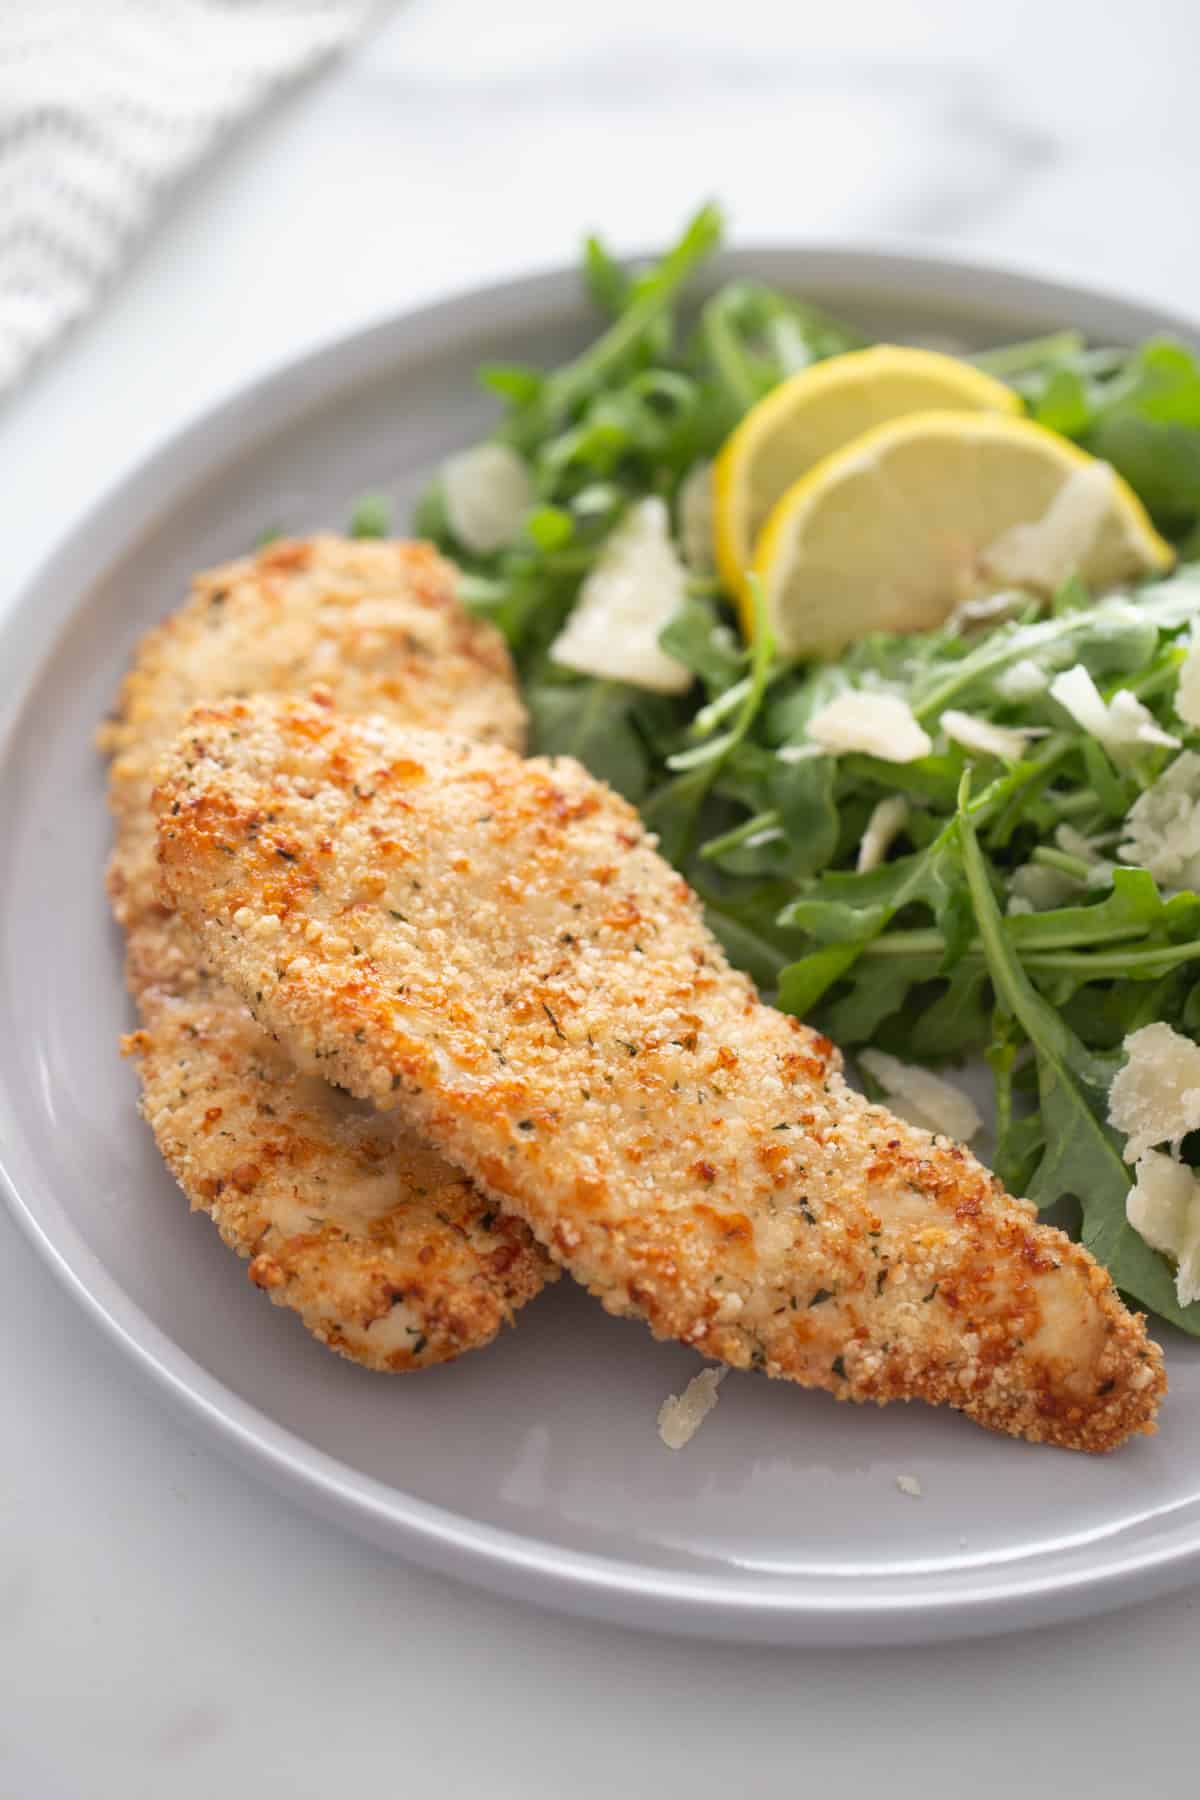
<point x="818" y="411"/>
<point x="892" y="532"/>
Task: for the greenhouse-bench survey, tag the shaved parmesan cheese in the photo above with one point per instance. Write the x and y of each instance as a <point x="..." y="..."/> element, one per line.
<point x="908" y="1484"/>
<point x="1155" y="1095"/>
<point x="879" y="725"/>
<point x="1075" y="690"/>
<point x="883" y="828"/>
<point x="989" y="609"/>
<point x="981" y="735"/>
<point x="1044" y="552"/>
<point x="487" y="491"/>
<point x="1076" y="844"/>
<point x="1041" y="889"/>
<point x="1120" y="724"/>
<point x="1135" y="723"/>
<point x="1100" y="868"/>
<point x="681" y="1415"/>
<point x="922" y="1098"/>
<point x="1163" y="1207"/>
<point x="1022" y="680"/>
<point x="636" y="587"/>
<point x="1162" y="829"/>
<point x="1187" y="698"/>
<point x="695" y="504"/>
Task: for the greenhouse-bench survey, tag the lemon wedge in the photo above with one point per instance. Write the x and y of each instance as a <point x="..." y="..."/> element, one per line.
<point x="816" y="412"/>
<point x="899" y="528"/>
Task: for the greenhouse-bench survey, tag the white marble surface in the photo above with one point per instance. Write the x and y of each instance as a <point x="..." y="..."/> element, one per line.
<point x="166" y="1627"/>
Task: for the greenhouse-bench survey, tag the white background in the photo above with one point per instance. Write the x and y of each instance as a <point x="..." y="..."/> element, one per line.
<point x="166" y="1627"/>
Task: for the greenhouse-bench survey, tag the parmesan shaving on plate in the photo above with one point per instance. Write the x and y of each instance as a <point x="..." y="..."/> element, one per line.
<point x="1044" y="552"/>
<point x="879" y="725"/>
<point x="681" y="1415"/>
<point x="922" y="1098"/>
<point x="1164" y="1209"/>
<point x="984" y="737"/>
<point x="1162" y="828"/>
<point x="1120" y="724"/>
<point x="636" y="587"/>
<point x="908" y="1484"/>
<point x="884" y="826"/>
<point x="1155" y="1094"/>
<point x="487" y="492"/>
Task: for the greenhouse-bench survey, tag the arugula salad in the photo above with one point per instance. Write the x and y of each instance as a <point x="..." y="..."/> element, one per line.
<point x="980" y="838"/>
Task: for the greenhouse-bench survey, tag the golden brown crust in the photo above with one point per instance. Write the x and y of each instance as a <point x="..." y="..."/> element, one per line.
<point x="382" y="1248"/>
<point x="386" y="1252"/>
<point x="496" y="948"/>
<point x="376" y="624"/>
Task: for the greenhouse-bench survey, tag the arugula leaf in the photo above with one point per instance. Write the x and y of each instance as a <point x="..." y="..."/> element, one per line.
<point x="753" y="338"/>
<point x="802" y="797"/>
<point x="745" y="924"/>
<point x="591" y="721"/>
<point x="1103" y="1015"/>
<point x="512" y="382"/>
<point x="848" y="907"/>
<point x="1161" y="461"/>
<point x="607" y="282"/>
<point x="793" y="838"/>
<point x="932" y="780"/>
<point x="1131" y="910"/>
<point x="372" y="517"/>
<point x="1020" y="1139"/>
<point x="1008" y="361"/>
<point x="807" y="980"/>
<point x="648" y="301"/>
<point x="927" y="877"/>
<point x="674" y="810"/>
<point x="699" y="639"/>
<point x="1081" y="1155"/>
<point x="855" y="1016"/>
<point x="1062" y="404"/>
<point x="1113" y="637"/>
<point x="956" y="1022"/>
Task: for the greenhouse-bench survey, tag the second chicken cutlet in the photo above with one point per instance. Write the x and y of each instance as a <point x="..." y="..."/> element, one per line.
<point x="496" y="948"/>
<point x="386" y="1251"/>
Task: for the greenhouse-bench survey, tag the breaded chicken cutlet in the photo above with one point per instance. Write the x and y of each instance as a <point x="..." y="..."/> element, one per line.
<point x="496" y="948"/>
<point x="388" y="1254"/>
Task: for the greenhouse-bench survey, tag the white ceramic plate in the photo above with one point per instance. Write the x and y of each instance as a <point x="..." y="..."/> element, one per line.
<point x="534" y="1468"/>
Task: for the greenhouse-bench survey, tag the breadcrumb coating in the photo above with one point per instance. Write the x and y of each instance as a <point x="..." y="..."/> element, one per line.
<point x="495" y="948"/>
<point x="376" y="623"/>
<point x="386" y="1252"/>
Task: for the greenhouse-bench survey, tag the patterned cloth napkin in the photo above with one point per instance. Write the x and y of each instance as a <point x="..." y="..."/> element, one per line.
<point x="105" y="106"/>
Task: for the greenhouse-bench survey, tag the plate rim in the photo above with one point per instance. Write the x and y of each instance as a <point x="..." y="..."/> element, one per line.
<point x="790" y="1610"/>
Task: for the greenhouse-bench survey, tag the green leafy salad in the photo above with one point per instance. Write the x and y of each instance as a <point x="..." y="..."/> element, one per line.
<point x="1024" y="883"/>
